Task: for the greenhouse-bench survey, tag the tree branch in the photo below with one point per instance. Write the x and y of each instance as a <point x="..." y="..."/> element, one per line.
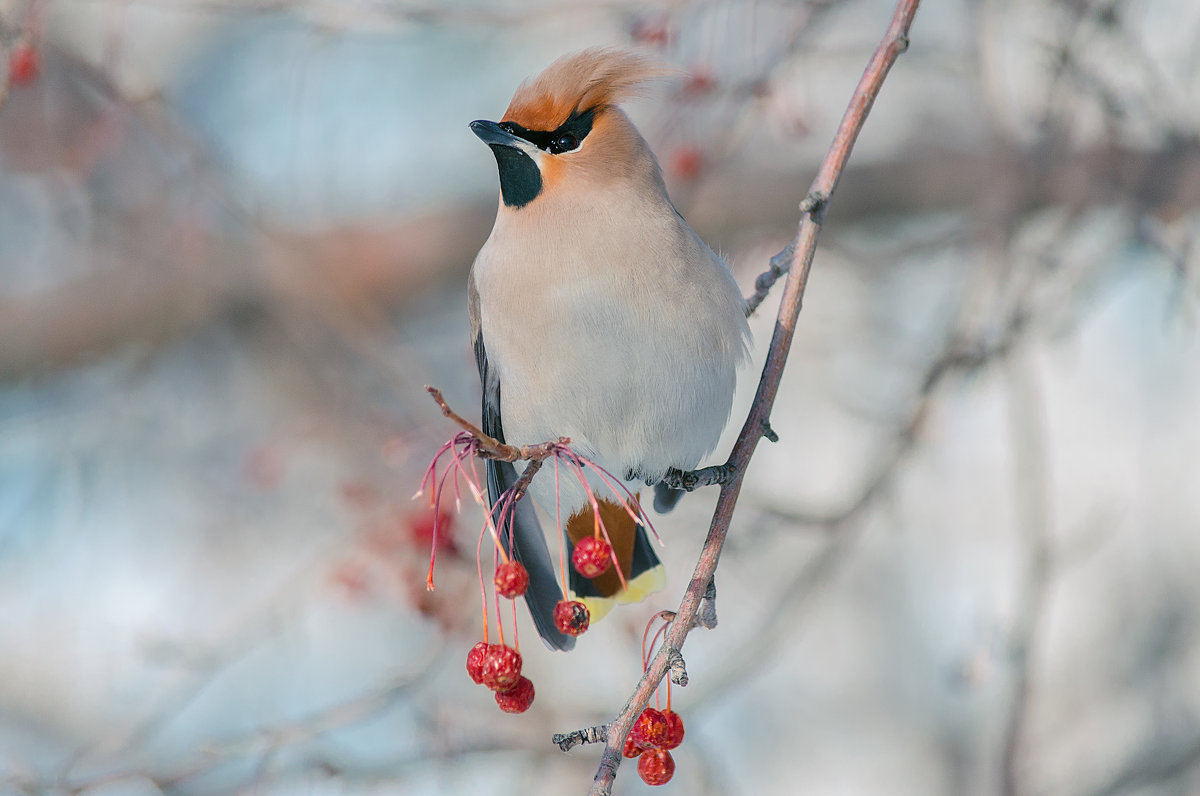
<point x="597" y="734"/>
<point x="779" y="264"/>
<point x="492" y="448"/>
<point x="802" y="249"/>
<point x="1030" y="468"/>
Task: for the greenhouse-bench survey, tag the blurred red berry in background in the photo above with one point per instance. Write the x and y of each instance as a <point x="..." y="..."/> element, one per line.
<point x="686" y="161"/>
<point x="23" y="64"/>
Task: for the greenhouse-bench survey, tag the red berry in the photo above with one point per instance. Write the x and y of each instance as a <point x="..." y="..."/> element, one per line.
<point x="631" y="749"/>
<point x="592" y="556"/>
<point x="675" y="729"/>
<point x="518" y="698"/>
<point x="571" y="617"/>
<point x="656" y="767"/>
<point x="512" y="579"/>
<point x="501" y="667"/>
<point x="651" y="730"/>
<point x="23" y="64"/>
<point x="475" y="659"/>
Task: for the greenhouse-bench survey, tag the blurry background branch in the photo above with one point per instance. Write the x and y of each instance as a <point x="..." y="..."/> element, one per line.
<point x="233" y="243"/>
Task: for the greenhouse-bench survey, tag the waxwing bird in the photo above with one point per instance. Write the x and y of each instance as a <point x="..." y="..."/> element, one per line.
<point x="596" y="314"/>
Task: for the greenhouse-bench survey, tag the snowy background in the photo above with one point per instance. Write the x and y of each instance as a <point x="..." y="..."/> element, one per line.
<point x="234" y="239"/>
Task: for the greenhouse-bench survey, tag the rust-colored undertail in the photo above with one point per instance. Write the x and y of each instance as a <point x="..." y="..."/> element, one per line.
<point x="643" y="572"/>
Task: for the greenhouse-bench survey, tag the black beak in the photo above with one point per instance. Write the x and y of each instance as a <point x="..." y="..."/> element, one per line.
<point x="493" y="134"/>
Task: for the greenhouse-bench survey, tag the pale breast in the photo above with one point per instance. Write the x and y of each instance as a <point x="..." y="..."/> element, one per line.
<point x="627" y="344"/>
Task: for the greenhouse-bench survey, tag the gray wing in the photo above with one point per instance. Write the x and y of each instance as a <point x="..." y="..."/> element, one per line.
<point x="528" y="542"/>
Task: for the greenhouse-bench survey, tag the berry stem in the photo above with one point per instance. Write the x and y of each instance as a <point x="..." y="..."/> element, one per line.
<point x="575" y="462"/>
<point x="616" y="486"/>
<point x="431" y="479"/>
<point x="517" y="641"/>
<point x="496" y="595"/>
<point x="666" y="617"/>
<point x="482" y="583"/>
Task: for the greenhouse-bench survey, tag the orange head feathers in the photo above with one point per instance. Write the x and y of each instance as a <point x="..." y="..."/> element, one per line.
<point x="586" y="81"/>
<point x="566" y="122"/>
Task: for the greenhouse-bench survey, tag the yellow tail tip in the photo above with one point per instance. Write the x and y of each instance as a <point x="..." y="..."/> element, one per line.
<point x="637" y="589"/>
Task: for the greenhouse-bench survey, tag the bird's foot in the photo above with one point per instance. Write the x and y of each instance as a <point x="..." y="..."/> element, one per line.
<point x="706" y="476"/>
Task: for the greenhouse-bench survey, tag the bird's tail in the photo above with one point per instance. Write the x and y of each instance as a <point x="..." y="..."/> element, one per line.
<point x="641" y="572"/>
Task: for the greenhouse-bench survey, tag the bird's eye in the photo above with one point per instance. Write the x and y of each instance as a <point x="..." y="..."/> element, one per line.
<point x="564" y="143"/>
<point x="508" y="127"/>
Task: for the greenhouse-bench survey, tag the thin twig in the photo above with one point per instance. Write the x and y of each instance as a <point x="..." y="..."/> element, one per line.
<point x="894" y="43"/>
<point x="780" y="264"/>
<point x="707" y="618"/>
<point x="1030" y="465"/>
<point x="597" y="734"/>
<point x="678" y="667"/>
<point x="522" y="484"/>
<point x="492" y="448"/>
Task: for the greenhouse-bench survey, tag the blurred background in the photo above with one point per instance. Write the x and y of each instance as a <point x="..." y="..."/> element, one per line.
<point x="234" y="238"/>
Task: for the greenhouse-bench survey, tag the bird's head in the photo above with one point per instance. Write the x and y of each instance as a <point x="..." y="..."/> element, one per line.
<point x="563" y="132"/>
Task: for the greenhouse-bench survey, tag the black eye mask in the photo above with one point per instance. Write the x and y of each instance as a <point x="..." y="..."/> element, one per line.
<point x="564" y="138"/>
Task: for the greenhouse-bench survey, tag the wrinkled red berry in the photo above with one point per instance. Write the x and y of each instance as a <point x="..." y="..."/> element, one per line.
<point x="631" y="749"/>
<point x="675" y="729"/>
<point x="23" y="64"/>
<point x="571" y="617"/>
<point x="651" y="730"/>
<point x="592" y="556"/>
<point x="518" y="698"/>
<point x="656" y="767"/>
<point x="512" y="579"/>
<point x="501" y="667"/>
<point x="475" y="660"/>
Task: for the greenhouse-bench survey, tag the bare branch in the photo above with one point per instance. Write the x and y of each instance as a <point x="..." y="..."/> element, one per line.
<point x="492" y="448"/>
<point x="597" y="734"/>
<point x="677" y="666"/>
<point x="779" y="264"/>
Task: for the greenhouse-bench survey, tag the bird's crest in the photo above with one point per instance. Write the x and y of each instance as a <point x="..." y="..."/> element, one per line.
<point x="585" y="80"/>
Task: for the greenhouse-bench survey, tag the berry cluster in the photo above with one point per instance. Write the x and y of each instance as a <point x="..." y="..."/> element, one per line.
<point x="656" y="731"/>
<point x="653" y="734"/>
<point x="498" y="666"/>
